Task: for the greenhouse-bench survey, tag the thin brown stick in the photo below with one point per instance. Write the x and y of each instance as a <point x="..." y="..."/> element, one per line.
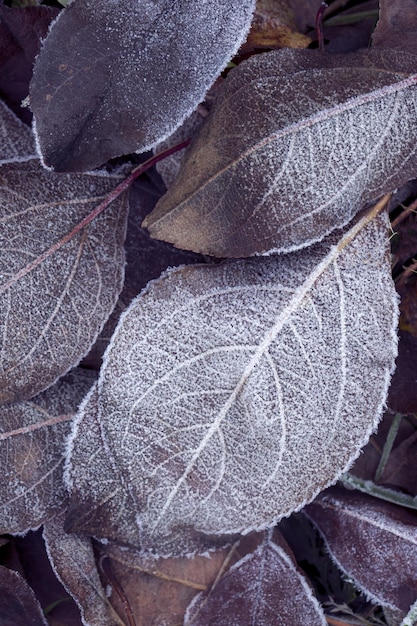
<point x="125" y="184"/>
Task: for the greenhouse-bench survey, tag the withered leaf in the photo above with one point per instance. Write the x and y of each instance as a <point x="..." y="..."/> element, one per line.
<point x="175" y="582"/>
<point x="373" y="542"/>
<point x="230" y="395"/>
<point x="51" y="315"/>
<point x="32" y="442"/>
<point x="264" y="588"/>
<point x="73" y="561"/>
<point x="18" y="604"/>
<point x="114" y="78"/>
<point x="316" y="136"/>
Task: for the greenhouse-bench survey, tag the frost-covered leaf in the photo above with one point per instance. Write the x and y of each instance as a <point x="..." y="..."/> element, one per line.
<point x="373" y="542"/>
<point x="32" y="442"/>
<point x="295" y="145"/>
<point x="16" y="139"/>
<point x="232" y="394"/>
<point x="51" y="315"/>
<point x="18" y="604"/>
<point x="73" y="561"/>
<point x="118" y="77"/>
<point x="264" y="588"/>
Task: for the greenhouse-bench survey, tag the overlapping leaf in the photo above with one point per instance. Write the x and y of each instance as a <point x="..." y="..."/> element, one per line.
<point x="316" y="137"/>
<point x="374" y="543"/>
<point x="232" y="394"/>
<point x="264" y="588"/>
<point x="32" y="442"/>
<point x="72" y="559"/>
<point x="51" y="315"/>
<point x="18" y="604"/>
<point x="114" y="78"/>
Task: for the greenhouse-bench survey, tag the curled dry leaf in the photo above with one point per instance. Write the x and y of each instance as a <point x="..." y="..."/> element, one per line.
<point x="373" y="542"/>
<point x="231" y="395"/>
<point x="18" y="604"/>
<point x="73" y="561"/>
<point x="295" y="144"/>
<point x="32" y="442"/>
<point x="114" y="78"/>
<point x="51" y="315"/>
<point x="264" y="588"/>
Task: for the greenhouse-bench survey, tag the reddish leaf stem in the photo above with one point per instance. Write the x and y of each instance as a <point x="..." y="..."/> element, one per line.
<point x="125" y="184"/>
<point x="319" y="25"/>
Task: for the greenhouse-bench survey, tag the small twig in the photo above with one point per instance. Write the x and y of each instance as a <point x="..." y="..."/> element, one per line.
<point x="411" y="208"/>
<point x="115" y="193"/>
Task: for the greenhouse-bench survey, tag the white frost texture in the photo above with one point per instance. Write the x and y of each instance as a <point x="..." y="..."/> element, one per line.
<point x="231" y="395"/>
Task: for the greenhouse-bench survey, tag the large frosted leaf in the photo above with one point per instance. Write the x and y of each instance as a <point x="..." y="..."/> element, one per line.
<point x="232" y="394"/>
<point x="51" y="315"/>
<point x="264" y="588"/>
<point x="295" y="145"/>
<point x="373" y="542"/>
<point x="32" y="442"/>
<point x="117" y="77"/>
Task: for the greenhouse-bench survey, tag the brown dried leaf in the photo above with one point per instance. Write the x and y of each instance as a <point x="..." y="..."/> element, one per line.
<point x="174" y="582"/>
<point x="114" y="78"/>
<point x="373" y="542"/>
<point x="232" y="394"/>
<point x="18" y="604"/>
<point x="50" y="316"/>
<point x="264" y="588"/>
<point x="273" y="26"/>
<point x="72" y="559"/>
<point x="32" y="442"/>
<point x="316" y="137"/>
